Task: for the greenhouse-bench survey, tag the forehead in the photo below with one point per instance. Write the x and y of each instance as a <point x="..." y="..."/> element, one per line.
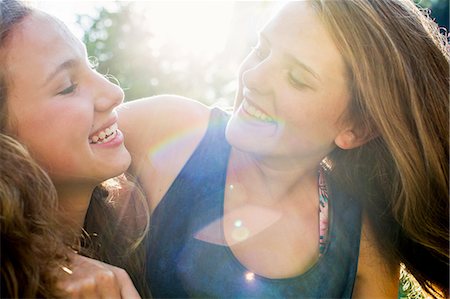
<point x="298" y="20"/>
<point x="294" y="13"/>
<point x="40" y="42"/>
<point x="40" y="29"/>
<point x="297" y="29"/>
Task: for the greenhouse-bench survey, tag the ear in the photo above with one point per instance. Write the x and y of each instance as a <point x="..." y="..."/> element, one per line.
<point x="350" y="138"/>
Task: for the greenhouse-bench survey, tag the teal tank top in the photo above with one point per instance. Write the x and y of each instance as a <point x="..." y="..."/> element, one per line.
<point x="179" y="265"/>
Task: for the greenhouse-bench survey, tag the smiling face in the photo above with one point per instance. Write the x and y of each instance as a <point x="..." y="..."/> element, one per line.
<point x="59" y="107"/>
<point x="292" y="91"/>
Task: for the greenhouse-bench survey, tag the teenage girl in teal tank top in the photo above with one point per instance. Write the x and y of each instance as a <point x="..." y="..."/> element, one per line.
<point x="236" y="202"/>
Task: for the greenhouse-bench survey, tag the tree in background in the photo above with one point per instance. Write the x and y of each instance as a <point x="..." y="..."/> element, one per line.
<point x="123" y="44"/>
<point x="123" y="48"/>
<point x="120" y="38"/>
<point x="439" y="11"/>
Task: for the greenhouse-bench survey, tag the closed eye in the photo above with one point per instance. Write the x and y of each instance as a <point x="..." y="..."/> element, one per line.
<point x="296" y="82"/>
<point x="69" y="89"/>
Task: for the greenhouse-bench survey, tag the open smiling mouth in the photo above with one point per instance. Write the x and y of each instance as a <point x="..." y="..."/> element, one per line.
<point x="104" y="136"/>
<point x="255" y="112"/>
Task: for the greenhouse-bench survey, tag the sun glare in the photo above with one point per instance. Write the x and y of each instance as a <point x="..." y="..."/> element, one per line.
<point x="197" y="27"/>
<point x="192" y="48"/>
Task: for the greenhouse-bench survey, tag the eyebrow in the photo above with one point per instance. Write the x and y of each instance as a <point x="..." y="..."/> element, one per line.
<point x="304" y="66"/>
<point x="68" y="64"/>
<point x="293" y="58"/>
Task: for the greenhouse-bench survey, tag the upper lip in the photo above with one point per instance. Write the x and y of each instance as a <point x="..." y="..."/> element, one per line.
<point x="249" y="99"/>
<point x="106" y="125"/>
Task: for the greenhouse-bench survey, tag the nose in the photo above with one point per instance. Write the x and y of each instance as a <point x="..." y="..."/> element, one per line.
<point x="108" y="95"/>
<point x="259" y="77"/>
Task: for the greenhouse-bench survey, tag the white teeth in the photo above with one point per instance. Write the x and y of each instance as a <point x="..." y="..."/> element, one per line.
<point x="255" y="112"/>
<point x="104" y="136"/>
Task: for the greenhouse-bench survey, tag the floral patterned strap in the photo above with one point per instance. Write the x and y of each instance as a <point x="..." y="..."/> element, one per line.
<point x="323" y="212"/>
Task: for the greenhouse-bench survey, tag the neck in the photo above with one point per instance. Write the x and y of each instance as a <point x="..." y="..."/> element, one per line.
<point x="279" y="180"/>
<point x="74" y="203"/>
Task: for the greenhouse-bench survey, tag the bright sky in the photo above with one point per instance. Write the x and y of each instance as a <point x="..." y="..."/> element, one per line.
<point x="67" y="10"/>
<point x="216" y="33"/>
<point x="164" y="19"/>
<point x="193" y="16"/>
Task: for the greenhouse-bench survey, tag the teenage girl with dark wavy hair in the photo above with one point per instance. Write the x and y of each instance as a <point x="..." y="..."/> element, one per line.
<point x="63" y="113"/>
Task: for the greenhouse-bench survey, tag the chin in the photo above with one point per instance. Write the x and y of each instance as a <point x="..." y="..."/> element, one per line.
<point x="119" y="167"/>
<point x="237" y="137"/>
<point x="123" y="166"/>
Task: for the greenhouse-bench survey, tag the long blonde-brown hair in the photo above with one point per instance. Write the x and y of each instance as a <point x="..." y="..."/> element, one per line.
<point x="398" y="68"/>
<point x="115" y="224"/>
<point x="32" y="238"/>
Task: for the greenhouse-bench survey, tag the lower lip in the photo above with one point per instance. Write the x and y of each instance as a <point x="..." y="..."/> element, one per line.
<point x="116" y="141"/>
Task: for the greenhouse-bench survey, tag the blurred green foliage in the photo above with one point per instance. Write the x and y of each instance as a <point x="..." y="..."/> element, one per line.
<point x="123" y="43"/>
<point x="439" y="11"/>
<point x="123" y="48"/>
<point x="119" y="36"/>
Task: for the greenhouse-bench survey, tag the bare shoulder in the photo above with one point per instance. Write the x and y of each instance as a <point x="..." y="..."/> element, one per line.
<point x="150" y="120"/>
<point x="376" y="276"/>
<point x="161" y="133"/>
<point x="177" y="104"/>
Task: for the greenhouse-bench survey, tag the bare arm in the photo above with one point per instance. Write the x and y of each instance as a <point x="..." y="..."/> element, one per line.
<point x="161" y="133"/>
<point x="376" y="278"/>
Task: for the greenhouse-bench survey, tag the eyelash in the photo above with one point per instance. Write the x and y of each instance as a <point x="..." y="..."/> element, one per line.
<point x="295" y="82"/>
<point x="69" y="89"/>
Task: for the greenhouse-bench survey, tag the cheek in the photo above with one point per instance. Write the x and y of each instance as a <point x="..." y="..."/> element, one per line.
<point x="45" y="121"/>
<point x="309" y="122"/>
<point x="54" y="132"/>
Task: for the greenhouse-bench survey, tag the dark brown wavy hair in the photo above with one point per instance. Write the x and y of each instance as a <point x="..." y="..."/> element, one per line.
<point x="32" y="238"/>
<point x="398" y="67"/>
<point x="115" y="224"/>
